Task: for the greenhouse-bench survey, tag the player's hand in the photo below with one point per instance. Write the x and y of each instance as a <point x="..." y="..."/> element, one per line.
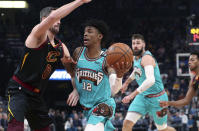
<point x="121" y="68"/>
<point x="124" y="87"/>
<point x="73" y="98"/>
<point x="86" y="1"/>
<point x="66" y="60"/>
<point x="164" y="104"/>
<point x="126" y="99"/>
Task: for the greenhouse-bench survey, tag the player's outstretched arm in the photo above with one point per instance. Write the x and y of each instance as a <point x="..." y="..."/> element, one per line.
<point x="191" y="92"/>
<point x="128" y="81"/>
<point x="70" y="67"/>
<point x="57" y="15"/>
<point x="39" y="31"/>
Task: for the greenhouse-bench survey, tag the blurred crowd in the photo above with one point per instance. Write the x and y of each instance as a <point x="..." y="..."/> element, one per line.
<point x="163" y="23"/>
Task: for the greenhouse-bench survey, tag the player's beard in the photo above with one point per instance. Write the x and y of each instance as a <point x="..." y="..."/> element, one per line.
<point x="137" y="53"/>
<point x="54" y="30"/>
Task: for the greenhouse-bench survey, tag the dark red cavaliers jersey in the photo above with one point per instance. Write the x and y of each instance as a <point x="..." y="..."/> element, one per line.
<point x="36" y="66"/>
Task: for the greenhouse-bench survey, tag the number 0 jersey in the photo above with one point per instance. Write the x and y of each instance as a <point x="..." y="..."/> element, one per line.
<point x="37" y="65"/>
<point x="92" y="81"/>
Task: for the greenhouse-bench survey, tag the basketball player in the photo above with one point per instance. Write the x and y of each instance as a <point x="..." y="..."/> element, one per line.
<point x="193" y="85"/>
<point x="150" y="90"/>
<point x="93" y="80"/>
<point x="41" y="55"/>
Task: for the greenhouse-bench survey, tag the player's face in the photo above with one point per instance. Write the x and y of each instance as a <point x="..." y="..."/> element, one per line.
<point x="91" y="36"/>
<point x="55" y="27"/>
<point x="193" y="62"/>
<point x="138" y="46"/>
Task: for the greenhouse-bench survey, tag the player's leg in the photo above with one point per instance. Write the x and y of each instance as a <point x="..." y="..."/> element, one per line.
<point x="164" y="127"/>
<point x="100" y="116"/>
<point x="37" y="115"/>
<point x="159" y="114"/>
<point x="130" y="120"/>
<point x="136" y="109"/>
<point x="16" y="110"/>
<point x="97" y="127"/>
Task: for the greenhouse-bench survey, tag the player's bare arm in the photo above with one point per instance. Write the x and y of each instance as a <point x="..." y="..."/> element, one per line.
<point x="39" y="32"/>
<point x="128" y="81"/>
<point x="74" y="96"/>
<point x="190" y="94"/>
<point x="148" y="60"/>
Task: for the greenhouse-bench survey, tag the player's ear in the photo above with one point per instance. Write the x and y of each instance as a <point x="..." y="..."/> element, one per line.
<point x="144" y="45"/>
<point x="100" y="36"/>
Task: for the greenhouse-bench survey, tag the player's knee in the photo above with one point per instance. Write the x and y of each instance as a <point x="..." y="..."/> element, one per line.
<point x="164" y="127"/>
<point x="15" y="125"/>
<point x="128" y="124"/>
<point x="169" y="129"/>
<point x="97" y="127"/>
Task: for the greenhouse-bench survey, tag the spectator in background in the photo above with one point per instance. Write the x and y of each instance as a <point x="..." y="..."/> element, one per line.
<point x="1" y="119"/>
<point x="190" y="123"/>
<point x="184" y="118"/>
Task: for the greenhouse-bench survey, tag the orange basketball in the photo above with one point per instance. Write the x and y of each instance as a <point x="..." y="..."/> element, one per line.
<point x="119" y="52"/>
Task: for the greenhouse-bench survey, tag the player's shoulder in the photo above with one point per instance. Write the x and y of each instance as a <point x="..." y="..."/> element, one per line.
<point x="77" y="52"/>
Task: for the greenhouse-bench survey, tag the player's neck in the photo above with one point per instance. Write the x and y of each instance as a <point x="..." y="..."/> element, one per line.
<point x="51" y="38"/>
<point x="93" y="52"/>
<point x="197" y="71"/>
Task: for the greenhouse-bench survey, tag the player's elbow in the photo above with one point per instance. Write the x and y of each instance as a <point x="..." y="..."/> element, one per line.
<point x="52" y="17"/>
<point x="187" y="101"/>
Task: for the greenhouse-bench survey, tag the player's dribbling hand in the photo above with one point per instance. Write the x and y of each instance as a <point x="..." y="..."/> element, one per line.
<point x="164" y="104"/>
<point x="73" y="98"/>
<point x="124" y="88"/>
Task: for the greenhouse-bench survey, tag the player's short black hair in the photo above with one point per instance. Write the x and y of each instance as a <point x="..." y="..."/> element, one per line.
<point x="137" y="36"/>
<point x="195" y="53"/>
<point x="101" y="26"/>
<point x="46" y="11"/>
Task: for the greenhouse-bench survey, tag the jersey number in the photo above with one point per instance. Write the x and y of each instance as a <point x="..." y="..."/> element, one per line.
<point x="87" y="86"/>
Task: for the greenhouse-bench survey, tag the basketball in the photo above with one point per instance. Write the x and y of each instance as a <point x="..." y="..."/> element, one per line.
<point x="118" y="53"/>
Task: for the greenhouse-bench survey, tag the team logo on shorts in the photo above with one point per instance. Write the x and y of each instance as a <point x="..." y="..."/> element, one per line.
<point x="138" y="73"/>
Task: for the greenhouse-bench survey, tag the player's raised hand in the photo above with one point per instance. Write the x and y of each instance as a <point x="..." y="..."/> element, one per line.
<point x="164" y="104"/>
<point x="86" y="1"/>
<point x="73" y="98"/>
